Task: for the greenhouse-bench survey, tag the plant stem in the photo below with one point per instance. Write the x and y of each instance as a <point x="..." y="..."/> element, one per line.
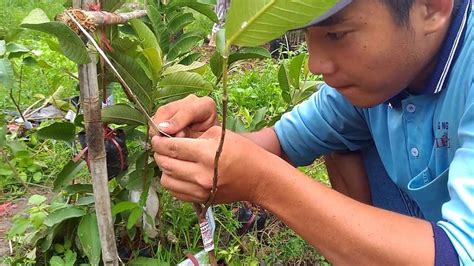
<point x="12" y="97"/>
<point x="221" y="142"/>
<point x="201" y="211"/>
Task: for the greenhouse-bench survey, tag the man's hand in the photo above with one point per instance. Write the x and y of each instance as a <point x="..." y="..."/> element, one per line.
<point x="188" y="166"/>
<point x="189" y="117"/>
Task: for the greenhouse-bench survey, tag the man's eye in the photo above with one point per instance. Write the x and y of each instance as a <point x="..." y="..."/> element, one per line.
<point x="336" y="35"/>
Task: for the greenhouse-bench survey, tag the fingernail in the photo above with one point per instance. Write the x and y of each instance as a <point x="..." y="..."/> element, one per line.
<point x="164" y="124"/>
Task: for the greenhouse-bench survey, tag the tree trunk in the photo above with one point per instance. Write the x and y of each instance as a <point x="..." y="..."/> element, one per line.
<point x="96" y="152"/>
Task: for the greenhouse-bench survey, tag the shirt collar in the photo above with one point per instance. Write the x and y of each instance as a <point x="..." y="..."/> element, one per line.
<point x="449" y="50"/>
<point x="447" y="55"/>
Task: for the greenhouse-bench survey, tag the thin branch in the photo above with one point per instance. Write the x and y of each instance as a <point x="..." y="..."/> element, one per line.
<point x="12" y="97"/>
<point x="221" y="142"/>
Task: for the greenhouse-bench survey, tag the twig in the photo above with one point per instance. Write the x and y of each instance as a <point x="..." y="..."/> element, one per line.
<point x="12" y="97"/>
<point x="221" y="142"/>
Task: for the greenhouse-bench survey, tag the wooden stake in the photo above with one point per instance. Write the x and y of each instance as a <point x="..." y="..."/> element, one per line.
<point x="96" y="152"/>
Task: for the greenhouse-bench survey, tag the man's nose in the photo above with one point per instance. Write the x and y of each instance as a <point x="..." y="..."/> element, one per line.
<point x="321" y="64"/>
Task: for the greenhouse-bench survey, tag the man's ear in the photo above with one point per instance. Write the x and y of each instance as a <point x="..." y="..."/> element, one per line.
<point x="434" y="15"/>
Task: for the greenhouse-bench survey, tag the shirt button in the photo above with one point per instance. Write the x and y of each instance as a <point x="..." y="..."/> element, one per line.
<point x="411" y="108"/>
<point x="415" y="152"/>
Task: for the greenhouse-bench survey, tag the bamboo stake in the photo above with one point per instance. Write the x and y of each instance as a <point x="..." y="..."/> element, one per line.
<point x="96" y="153"/>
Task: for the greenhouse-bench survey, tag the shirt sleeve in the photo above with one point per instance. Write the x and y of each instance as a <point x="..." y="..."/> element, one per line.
<point x="445" y="254"/>
<point x="458" y="212"/>
<point x="325" y="122"/>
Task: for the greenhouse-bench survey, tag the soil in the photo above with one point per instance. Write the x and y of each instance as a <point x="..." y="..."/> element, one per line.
<point x="5" y="222"/>
<point x="18" y="206"/>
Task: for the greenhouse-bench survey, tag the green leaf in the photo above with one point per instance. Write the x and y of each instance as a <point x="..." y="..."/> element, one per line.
<point x="19" y="226"/>
<point x="122" y="114"/>
<point x="111" y="5"/>
<point x="205" y="9"/>
<point x="71" y="45"/>
<point x="249" y="53"/>
<point x="53" y="45"/>
<point x="183" y="68"/>
<point x="183" y="44"/>
<point x="36" y="200"/>
<point x="56" y="261"/>
<point x="255" y="22"/>
<point x="6" y="73"/>
<point x="217" y="63"/>
<point x="155" y="62"/>
<point x="78" y="188"/>
<point x="146" y="36"/>
<point x="16" y="48"/>
<point x="48" y="240"/>
<point x="284" y="84"/>
<point x="134" y="216"/>
<point x="135" y="77"/>
<point x="180" y="21"/>
<point x="151" y="48"/>
<point x="181" y="84"/>
<point x="85" y="200"/>
<point x="88" y="233"/>
<point x="164" y="40"/>
<point x="190" y="58"/>
<point x="155" y="19"/>
<point x="69" y="172"/>
<point x="258" y="118"/>
<point x="59" y="131"/>
<point x="63" y="214"/>
<point x="306" y="89"/>
<point x="123" y="206"/>
<point x="69" y="258"/>
<point x="295" y="70"/>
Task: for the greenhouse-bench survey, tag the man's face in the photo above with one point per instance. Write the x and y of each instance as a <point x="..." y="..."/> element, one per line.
<point x="366" y="55"/>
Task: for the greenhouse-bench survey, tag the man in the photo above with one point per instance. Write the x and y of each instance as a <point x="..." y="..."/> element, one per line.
<point x="400" y="76"/>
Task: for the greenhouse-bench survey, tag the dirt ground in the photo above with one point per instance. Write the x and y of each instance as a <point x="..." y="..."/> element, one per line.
<point x="18" y="206"/>
<point x="5" y="223"/>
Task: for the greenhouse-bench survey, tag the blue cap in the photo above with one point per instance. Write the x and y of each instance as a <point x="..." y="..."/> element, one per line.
<point x="338" y="6"/>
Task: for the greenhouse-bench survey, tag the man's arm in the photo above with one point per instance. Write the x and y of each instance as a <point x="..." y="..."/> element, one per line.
<point x="344" y="230"/>
<point x="346" y="170"/>
<point x="267" y="139"/>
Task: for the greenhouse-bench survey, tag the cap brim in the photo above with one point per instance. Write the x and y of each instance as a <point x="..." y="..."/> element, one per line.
<point x="333" y="10"/>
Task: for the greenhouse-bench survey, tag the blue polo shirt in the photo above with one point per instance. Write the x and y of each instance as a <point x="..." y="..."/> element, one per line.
<point x="425" y="141"/>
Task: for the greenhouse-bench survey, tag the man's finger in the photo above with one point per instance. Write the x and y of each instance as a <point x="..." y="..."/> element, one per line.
<point x="187" y="198"/>
<point x="184" y="171"/>
<point x="187" y="191"/>
<point x="191" y="111"/>
<point x="176" y="168"/>
<point x="180" y="148"/>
